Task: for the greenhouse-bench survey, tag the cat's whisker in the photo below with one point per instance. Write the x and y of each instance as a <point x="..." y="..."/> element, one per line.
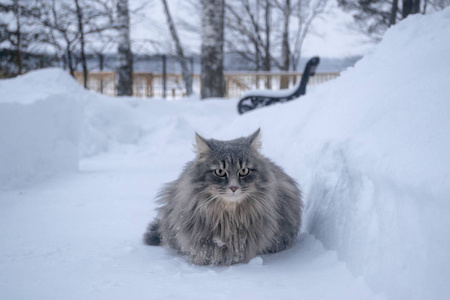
<point x="263" y="202"/>
<point x="205" y="203"/>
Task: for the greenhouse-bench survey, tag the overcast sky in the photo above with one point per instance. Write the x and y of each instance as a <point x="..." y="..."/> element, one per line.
<point x="329" y="37"/>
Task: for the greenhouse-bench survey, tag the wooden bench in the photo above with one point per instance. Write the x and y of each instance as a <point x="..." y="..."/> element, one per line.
<point x="260" y="98"/>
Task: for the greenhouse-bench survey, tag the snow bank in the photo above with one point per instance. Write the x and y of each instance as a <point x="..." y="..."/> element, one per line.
<point x="47" y="121"/>
<point x="154" y="124"/>
<point x="36" y="85"/>
<point x="371" y="152"/>
<point x="39" y="127"/>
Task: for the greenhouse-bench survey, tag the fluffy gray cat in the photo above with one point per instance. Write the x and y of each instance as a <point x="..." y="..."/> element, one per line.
<point x="228" y="205"/>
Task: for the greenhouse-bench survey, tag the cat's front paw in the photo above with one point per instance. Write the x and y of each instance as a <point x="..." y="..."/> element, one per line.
<point x="200" y="260"/>
<point x="207" y="252"/>
<point x="215" y="252"/>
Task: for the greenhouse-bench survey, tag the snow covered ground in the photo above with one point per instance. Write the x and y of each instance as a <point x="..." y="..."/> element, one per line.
<point x="370" y="151"/>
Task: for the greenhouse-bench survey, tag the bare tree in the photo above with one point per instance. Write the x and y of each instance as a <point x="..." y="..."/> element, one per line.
<point x="256" y="23"/>
<point x="374" y="17"/>
<point x="393" y="14"/>
<point x="68" y="25"/>
<point x="18" y="30"/>
<point x="305" y="11"/>
<point x="80" y="18"/>
<point x="268" y="57"/>
<point x="212" y="78"/>
<point x="435" y="4"/>
<point x="125" y="57"/>
<point x="187" y="76"/>
<point x="17" y="13"/>
<point x="410" y="7"/>
<point x="94" y="17"/>
<point x="249" y="26"/>
<point x="286" y="11"/>
<point x="59" y="31"/>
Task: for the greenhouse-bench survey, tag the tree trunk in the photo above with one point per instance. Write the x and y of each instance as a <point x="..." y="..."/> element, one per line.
<point x="257" y="46"/>
<point x="82" y="43"/>
<point x="416" y="7"/>
<point x="19" y="59"/>
<point x="285" y="51"/>
<point x="410" y="7"/>
<point x="299" y="39"/>
<point x="425" y="3"/>
<point x="212" y="78"/>
<point x="125" y="69"/>
<point x="70" y="60"/>
<point x="180" y="53"/>
<point x="266" y="61"/>
<point x="101" y="60"/>
<point x="393" y="15"/>
<point x="407" y="8"/>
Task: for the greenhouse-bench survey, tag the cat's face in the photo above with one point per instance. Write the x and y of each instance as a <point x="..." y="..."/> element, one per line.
<point x="231" y="178"/>
<point x="230" y="170"/>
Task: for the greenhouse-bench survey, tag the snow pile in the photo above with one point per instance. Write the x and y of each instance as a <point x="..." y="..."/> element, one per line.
<point x="40" y="118"/>
<point x="48" y="122"/>
<point x="37" y="85"/>
<point x="154" y="124"/>
<point x="371" y="151"/>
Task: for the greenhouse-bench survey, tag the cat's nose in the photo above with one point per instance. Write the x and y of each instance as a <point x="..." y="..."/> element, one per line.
<point x="234" y="188"/>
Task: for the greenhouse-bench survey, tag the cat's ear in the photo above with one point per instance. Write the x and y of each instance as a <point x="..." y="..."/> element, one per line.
<point x="201" y="146"/>
<point x="255" y="139"/>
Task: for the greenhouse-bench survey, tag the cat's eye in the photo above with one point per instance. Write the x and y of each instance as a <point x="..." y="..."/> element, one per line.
<point x="244" y="172"/>
<point x="220" y="172"/>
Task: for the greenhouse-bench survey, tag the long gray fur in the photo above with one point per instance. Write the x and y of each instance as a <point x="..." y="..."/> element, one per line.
<point x="199" y="217"/>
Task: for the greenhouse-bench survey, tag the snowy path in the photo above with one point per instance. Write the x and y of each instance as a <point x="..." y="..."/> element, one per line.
<point x="79" y="237"/>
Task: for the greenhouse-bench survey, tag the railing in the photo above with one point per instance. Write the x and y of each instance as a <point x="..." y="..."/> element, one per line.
<point x="241" y="82"/>
<point x="237" y="83"/>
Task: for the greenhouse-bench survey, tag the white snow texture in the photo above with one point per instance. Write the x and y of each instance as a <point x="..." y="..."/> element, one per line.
<point x="369" y="149"/>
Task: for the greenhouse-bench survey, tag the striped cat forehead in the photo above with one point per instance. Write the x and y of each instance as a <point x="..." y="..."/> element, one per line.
<point x="230" y="154"/>
<point x="230" y="163"/>
<point x="242" y="146"/>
